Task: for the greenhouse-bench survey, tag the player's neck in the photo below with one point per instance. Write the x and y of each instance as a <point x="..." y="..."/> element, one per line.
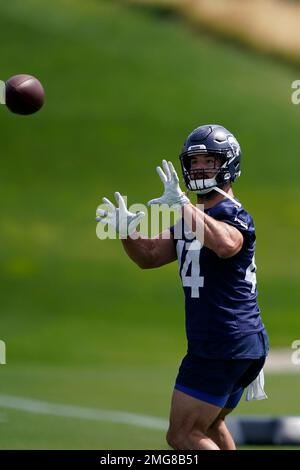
<point x="212" y="198"/>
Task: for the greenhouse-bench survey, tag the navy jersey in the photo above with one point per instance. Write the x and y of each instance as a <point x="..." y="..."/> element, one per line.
<point x="222" y="314"/>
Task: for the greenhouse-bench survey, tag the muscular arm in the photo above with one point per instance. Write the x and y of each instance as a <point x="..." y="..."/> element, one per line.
<point x="224" y="239"/>
<point x="151" y="252"/>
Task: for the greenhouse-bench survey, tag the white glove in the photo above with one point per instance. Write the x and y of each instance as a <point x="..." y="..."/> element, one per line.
<point x="120" y="218"/>
<point x="173" y="196"/>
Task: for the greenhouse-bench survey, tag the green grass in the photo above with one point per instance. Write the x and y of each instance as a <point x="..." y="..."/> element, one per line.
<point x="124" y="386"/>
<point x="123" y="88"/>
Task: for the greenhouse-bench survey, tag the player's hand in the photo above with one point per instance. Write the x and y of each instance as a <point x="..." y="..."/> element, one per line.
<point x="173" y="196"/>
<point x="120" y="218"/>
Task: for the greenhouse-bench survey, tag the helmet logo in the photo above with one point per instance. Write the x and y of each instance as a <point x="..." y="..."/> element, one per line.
<point x="234" y="145"/>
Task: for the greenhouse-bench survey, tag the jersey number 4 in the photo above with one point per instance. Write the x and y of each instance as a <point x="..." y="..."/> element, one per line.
<point x="192" y="258"/>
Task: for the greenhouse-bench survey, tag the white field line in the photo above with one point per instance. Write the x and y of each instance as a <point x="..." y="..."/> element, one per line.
<point x="68" y="411"/>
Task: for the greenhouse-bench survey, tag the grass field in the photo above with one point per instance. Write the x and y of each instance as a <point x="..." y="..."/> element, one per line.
<point x="84" y="326"/>
<point x="140" y="389"/>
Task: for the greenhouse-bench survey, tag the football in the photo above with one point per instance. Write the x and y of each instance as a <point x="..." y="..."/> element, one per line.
<point x="24" y="94"/>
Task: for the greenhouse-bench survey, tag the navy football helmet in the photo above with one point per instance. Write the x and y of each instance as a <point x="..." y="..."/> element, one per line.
<point x="217" y="141"/>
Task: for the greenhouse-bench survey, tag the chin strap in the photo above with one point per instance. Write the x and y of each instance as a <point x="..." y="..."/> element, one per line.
<point x="219" y="190"/>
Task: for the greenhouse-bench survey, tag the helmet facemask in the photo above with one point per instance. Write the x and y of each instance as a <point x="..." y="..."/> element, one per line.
<point x="204" y="180"/>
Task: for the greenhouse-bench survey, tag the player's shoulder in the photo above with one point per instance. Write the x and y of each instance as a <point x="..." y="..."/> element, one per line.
<point x="233" y="212"/>
<point x="227" y="206"/>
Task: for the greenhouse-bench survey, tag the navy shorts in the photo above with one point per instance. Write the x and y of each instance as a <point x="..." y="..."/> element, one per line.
<point x="220" y="382"/>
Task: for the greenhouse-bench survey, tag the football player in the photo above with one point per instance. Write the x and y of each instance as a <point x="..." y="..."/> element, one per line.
<point x="214" y="243"/>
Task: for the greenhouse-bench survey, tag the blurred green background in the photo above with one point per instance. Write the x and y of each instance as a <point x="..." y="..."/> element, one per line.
<point x="82" y="324"/>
